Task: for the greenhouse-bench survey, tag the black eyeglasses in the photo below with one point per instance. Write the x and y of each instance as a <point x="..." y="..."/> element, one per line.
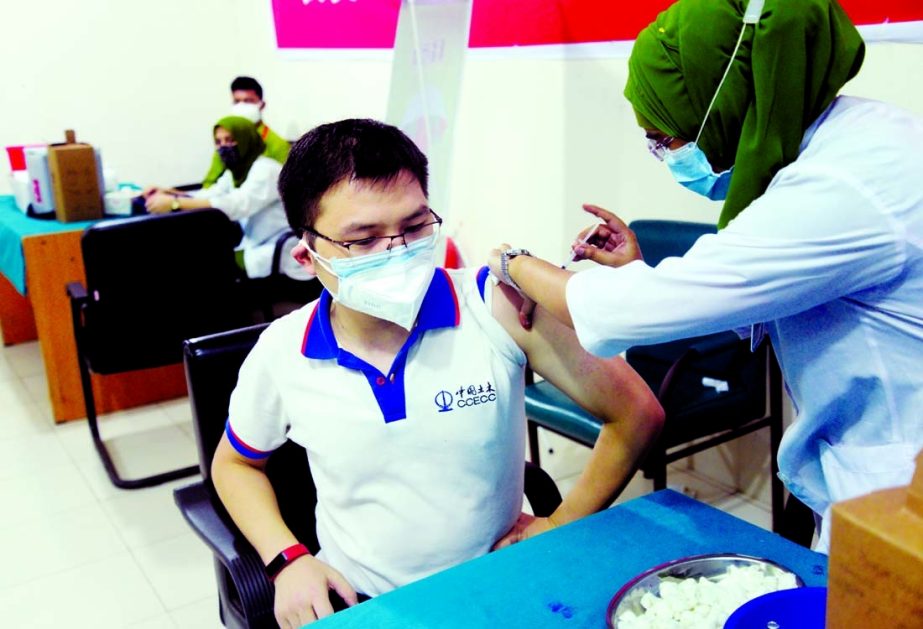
<point x="659" y="147"/>
<point x="374" y="244"/>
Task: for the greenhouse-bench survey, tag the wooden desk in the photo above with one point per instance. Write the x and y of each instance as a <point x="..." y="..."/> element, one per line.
<point x="51" y="261"/>
<point x="566" y="577"/>
<point x="17" y="320"/>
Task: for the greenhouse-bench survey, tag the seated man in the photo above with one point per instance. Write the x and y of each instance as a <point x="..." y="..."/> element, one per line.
<point x="404" y="383"/>
<point x="247" y="102"/>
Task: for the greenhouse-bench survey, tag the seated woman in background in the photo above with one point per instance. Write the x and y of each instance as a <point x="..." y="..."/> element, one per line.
<point x="246" y="191"/>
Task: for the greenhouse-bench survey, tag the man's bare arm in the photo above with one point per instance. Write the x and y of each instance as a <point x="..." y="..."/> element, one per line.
<point x="606" y="388"/>
<point x="302" y="586"/>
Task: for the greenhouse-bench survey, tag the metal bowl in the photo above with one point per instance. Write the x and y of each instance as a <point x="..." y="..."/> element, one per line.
<point x="628" y="598"/>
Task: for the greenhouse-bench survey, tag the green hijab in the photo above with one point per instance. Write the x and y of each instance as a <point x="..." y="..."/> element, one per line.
<point x="789" y="68"/>
<point x="249" y="145"/>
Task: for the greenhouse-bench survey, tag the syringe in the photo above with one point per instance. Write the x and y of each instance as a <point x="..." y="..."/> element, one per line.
<point x="583" y="241"/>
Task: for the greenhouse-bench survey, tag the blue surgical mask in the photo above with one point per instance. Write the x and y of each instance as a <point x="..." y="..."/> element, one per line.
<point x="691" y="169"/>
<point x="389" y="285"/>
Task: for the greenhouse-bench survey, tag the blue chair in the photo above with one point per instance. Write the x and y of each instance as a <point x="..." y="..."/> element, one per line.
<point x="698" y="415"/>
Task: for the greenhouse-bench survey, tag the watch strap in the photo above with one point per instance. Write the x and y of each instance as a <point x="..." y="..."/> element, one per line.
<point x="287" y="556"/>
<point x="505" y="257"/>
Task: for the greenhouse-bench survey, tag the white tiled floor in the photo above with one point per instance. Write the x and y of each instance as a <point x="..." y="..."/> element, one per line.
<point x="81" y="553"/>
<point x="77" y="551"/>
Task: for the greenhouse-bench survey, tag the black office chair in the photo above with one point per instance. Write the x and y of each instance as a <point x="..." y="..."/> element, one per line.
<point x="712" y="388"/>
<point x="278" y="294"/>
<point x="152" y="281"/>
<point x="245" y="595"/>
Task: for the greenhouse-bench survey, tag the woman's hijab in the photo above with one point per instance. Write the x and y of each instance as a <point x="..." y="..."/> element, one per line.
<point x="249" y="146"/>
<point x="790" y="66"/>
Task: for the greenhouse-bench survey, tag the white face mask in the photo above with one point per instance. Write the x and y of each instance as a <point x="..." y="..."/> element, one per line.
<point x="388" y="285"/>
<point x="250" y="111"/>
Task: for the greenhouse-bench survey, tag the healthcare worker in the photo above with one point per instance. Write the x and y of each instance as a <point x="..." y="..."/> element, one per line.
<point x="821" y="239"/>
<point x="247" y="192"/>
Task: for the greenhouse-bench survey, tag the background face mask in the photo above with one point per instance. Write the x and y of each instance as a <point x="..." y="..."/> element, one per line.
<point x="691" y="169"/>
<point x="386" y="285"/>
<point x="250" y="111"/>
<point x="229" y="155"/>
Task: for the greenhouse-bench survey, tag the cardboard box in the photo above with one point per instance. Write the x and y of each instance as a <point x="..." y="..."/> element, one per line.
<point x="876" y="559"/>
<point x="75" y="180"/>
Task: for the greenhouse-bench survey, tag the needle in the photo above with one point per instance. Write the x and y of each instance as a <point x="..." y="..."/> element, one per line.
<point x="586" y="239"/>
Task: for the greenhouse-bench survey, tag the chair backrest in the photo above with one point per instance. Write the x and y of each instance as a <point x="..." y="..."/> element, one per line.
<point x="663" y="239"/>
<point x="721" y="382"/>
<point x="212" y="365"/>
<point x="154" y="281"/>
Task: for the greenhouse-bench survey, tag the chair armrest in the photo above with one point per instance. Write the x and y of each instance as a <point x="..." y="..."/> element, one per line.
<point x="219" y="533"/>
<point x="708" y="346"/>
<point x="540" y="490"/>
<point x="76" y="291"/>
<point x="715" y="344"/>
<point x="275" y="269"/>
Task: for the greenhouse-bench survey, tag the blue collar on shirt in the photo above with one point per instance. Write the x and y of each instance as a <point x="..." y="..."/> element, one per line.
<point x="439" y="310"/>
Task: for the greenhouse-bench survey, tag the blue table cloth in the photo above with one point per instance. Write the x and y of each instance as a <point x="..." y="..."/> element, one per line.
<point x="14" y="226"/>
<point x="566" y="577"/>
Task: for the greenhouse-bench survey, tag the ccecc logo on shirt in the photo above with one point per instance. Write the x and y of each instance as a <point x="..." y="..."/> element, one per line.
<point x="465" y="397"/>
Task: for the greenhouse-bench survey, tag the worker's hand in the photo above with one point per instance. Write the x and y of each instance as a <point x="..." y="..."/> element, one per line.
<point x="302" y="592"/>
<point x="159" y="203"/>
<point x="526" y="526"/>
<point x="150" y="190"/>
<point x="613" y="244"/>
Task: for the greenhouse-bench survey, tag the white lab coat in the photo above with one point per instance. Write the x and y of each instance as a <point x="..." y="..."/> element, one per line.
<point x="831" y="258"/>
<point x="256" y="205"/>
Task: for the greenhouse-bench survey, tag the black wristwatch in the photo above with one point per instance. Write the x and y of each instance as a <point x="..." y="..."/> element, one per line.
<point x="505" y="257"/>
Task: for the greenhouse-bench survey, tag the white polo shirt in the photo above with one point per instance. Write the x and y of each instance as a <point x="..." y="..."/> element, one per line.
<point x="417" y="469"/>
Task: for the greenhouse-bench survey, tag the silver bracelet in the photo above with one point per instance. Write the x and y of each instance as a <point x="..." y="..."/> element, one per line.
<point x="505" y="257"/>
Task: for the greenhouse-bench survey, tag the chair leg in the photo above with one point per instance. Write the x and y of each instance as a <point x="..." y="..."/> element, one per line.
<point x="101" y="449"/>
<point x="658" y="471"/>
<point x="797" y="523"/>
<point x="534" y="449"/>
<point x="775" y="438"/>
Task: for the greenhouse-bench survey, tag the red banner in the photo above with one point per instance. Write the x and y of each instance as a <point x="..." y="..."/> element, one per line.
<point x="372" y="24"/>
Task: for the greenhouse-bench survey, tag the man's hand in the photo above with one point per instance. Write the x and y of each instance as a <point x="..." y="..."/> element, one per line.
<point x="302" y="592"/>
<point x="613" y="244"/>
<point x="159" y="203"/>
<point x="526" y="526"/>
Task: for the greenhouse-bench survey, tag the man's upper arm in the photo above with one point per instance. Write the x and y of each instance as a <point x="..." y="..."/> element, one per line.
<point x="604" y="387"/>
<point x="226" y="454"/>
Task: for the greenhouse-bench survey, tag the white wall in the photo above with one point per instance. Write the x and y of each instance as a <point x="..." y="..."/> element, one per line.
<point x="534" y="138"/>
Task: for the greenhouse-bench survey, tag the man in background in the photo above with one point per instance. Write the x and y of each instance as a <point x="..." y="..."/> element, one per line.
<point x="247" y="102"/>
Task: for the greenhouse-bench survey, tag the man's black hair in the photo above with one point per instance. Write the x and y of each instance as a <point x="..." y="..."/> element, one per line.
<point x="358" y="149"/>
<point x="247" y="83"/>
